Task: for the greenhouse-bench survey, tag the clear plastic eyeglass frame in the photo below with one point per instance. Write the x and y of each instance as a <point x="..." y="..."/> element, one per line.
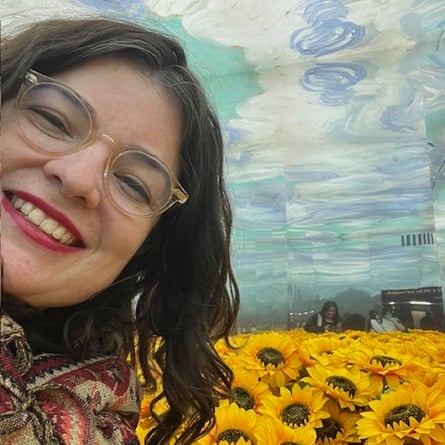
<point x="59" y="133"/>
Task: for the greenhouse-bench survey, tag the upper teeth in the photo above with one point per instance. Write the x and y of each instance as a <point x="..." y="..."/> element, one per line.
<point x="39" y="218"/>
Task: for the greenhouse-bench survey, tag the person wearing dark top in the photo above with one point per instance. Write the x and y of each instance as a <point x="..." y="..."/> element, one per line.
<point x="326" y="320"/>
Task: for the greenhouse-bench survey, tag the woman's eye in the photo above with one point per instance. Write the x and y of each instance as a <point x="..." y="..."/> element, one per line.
<point x="134" y="188"/>
<point x="49" y="122"/>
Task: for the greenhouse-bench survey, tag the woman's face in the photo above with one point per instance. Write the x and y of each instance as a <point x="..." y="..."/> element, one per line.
<point x="331" y="312"/>
<point x="69" y="190"/>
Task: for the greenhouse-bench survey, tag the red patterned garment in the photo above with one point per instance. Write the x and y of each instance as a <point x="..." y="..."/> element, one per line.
<point x="50" y="399"/>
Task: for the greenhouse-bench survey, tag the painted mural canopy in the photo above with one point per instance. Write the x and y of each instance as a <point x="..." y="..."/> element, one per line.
<point x="334" y="119"/>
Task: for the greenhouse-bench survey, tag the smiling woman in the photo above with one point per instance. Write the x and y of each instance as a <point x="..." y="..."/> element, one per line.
<point x="112" y="181"/>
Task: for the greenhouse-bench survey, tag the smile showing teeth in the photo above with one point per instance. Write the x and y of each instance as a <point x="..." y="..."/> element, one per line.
<point x="39" y="218"/>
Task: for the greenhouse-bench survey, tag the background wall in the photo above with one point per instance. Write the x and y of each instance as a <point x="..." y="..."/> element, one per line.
<point x="334" y="119"/>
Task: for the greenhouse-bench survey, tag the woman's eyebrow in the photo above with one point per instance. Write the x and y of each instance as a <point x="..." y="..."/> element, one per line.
<point x="75" y="99"/>
<point x="151" y="159"/>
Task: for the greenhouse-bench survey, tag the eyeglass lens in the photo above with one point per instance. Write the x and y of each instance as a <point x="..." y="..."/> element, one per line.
<point x="54" y="120"/>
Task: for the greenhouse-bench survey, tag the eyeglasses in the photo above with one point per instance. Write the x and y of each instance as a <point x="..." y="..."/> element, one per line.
<point x="57" y="121"/>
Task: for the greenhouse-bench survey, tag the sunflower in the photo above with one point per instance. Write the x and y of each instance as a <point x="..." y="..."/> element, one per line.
<point x="431" y="344"/>
<point x="223" y="348"/>
<point x="276" y="433"/>
<point x="414" y="413"/>
<point x="441" y="382"/>
<point x="387" y="367"/>
<point x="401" y="376"/>
<point x="234" y="426"/>
<point x="146" y="421"/>
<point x="339" y="428"/>
<point x="302" y="341"/>
<point x="323" y="347"/>
<point x="347" y="354"/>
<point x="298" y="407"/>
<point x="247" y="390"/>
<point x="350" y="387"/>
<point x="433" y="375"/>
<point x="273" y="357"/>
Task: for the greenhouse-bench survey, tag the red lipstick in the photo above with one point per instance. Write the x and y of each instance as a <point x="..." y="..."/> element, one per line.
<point x="33" y="232"/>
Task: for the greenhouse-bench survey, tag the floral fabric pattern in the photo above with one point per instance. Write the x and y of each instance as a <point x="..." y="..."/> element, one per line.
<point x="51" y="399"/>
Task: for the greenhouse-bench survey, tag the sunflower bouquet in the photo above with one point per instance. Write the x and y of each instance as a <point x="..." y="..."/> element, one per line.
<point x="298" y="388"/>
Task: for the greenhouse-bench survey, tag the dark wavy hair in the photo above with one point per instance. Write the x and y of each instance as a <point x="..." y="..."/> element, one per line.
<point x="178" y="294"/>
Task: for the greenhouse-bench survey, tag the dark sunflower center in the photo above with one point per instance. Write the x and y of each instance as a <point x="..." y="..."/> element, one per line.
<point x="403" y="413"/>
<point x="242" y="398"/>
<point x="342" y="383"/>
<point x="385" y="360"/>
<point x="232" y="435"/>
<point x="270" y="356"/>
<point x="410" y="441"/>
<point x="296" y="414"/>
<point x="329" y="429"/>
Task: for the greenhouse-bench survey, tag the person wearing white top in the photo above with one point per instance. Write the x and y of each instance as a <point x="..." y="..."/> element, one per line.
<point x="386" y="322"/>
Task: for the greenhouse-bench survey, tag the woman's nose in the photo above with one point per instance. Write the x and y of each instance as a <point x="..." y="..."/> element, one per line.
<point x="80" y="174"/>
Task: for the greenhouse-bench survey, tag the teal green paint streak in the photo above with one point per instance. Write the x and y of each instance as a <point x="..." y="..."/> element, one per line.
<point x="226" y="75"/>
<point x="435" y="125"/>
